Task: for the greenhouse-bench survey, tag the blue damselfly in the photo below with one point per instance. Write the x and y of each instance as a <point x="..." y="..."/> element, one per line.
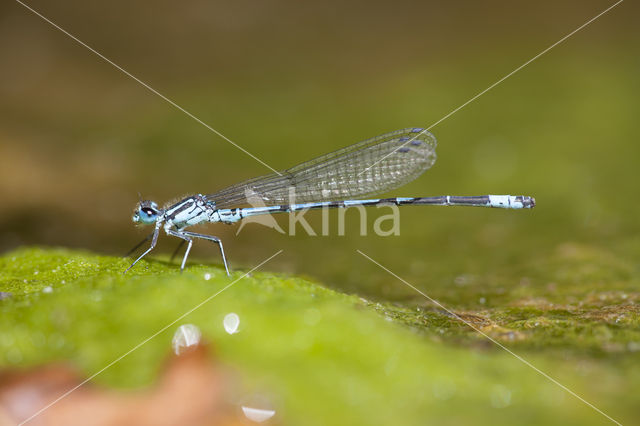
<point x="333" y="180"/>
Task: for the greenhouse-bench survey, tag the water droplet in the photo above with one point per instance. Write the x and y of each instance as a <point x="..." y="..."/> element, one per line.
<point x="207" y="276"/>
<point x="500" y="396"/>
<point x="231" y="323"/>
<point x="47" y="289"/>
<point x="185" y="336"/>
<point x="257" y="408"/>
<point x="257" y="415"/>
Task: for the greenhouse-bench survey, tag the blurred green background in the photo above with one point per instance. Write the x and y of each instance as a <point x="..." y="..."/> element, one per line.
<point x="288" y="81"/>
<point x="291" y="80"/>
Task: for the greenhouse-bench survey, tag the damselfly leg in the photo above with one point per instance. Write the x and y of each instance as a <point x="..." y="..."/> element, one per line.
<point x="189" y="236"/>
<point x="154" y="241"/>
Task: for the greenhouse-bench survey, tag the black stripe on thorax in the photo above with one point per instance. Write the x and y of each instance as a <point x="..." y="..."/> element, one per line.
<point x="183" y="205"/>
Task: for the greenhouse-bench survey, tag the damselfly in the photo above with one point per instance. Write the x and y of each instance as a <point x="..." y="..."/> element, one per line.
<point x="333" y="180"/>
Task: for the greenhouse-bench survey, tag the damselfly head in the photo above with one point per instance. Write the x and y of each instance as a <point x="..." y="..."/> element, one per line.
<point x="146" y="212"/>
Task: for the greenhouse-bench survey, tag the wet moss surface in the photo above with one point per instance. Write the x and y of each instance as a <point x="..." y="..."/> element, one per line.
<point x="326" y="357"/>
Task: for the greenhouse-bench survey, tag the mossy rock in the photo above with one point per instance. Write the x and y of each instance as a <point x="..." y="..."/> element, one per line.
<point x="325" y="357"/>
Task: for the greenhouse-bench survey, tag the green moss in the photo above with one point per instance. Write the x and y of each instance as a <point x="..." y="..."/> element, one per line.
<point x="325" y="357"/>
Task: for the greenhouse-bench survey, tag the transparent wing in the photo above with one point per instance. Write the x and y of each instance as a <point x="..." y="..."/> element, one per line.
<point x="366" y="168"/>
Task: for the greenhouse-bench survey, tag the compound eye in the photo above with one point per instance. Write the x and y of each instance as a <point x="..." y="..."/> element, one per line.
<point x="148" y="211"/>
